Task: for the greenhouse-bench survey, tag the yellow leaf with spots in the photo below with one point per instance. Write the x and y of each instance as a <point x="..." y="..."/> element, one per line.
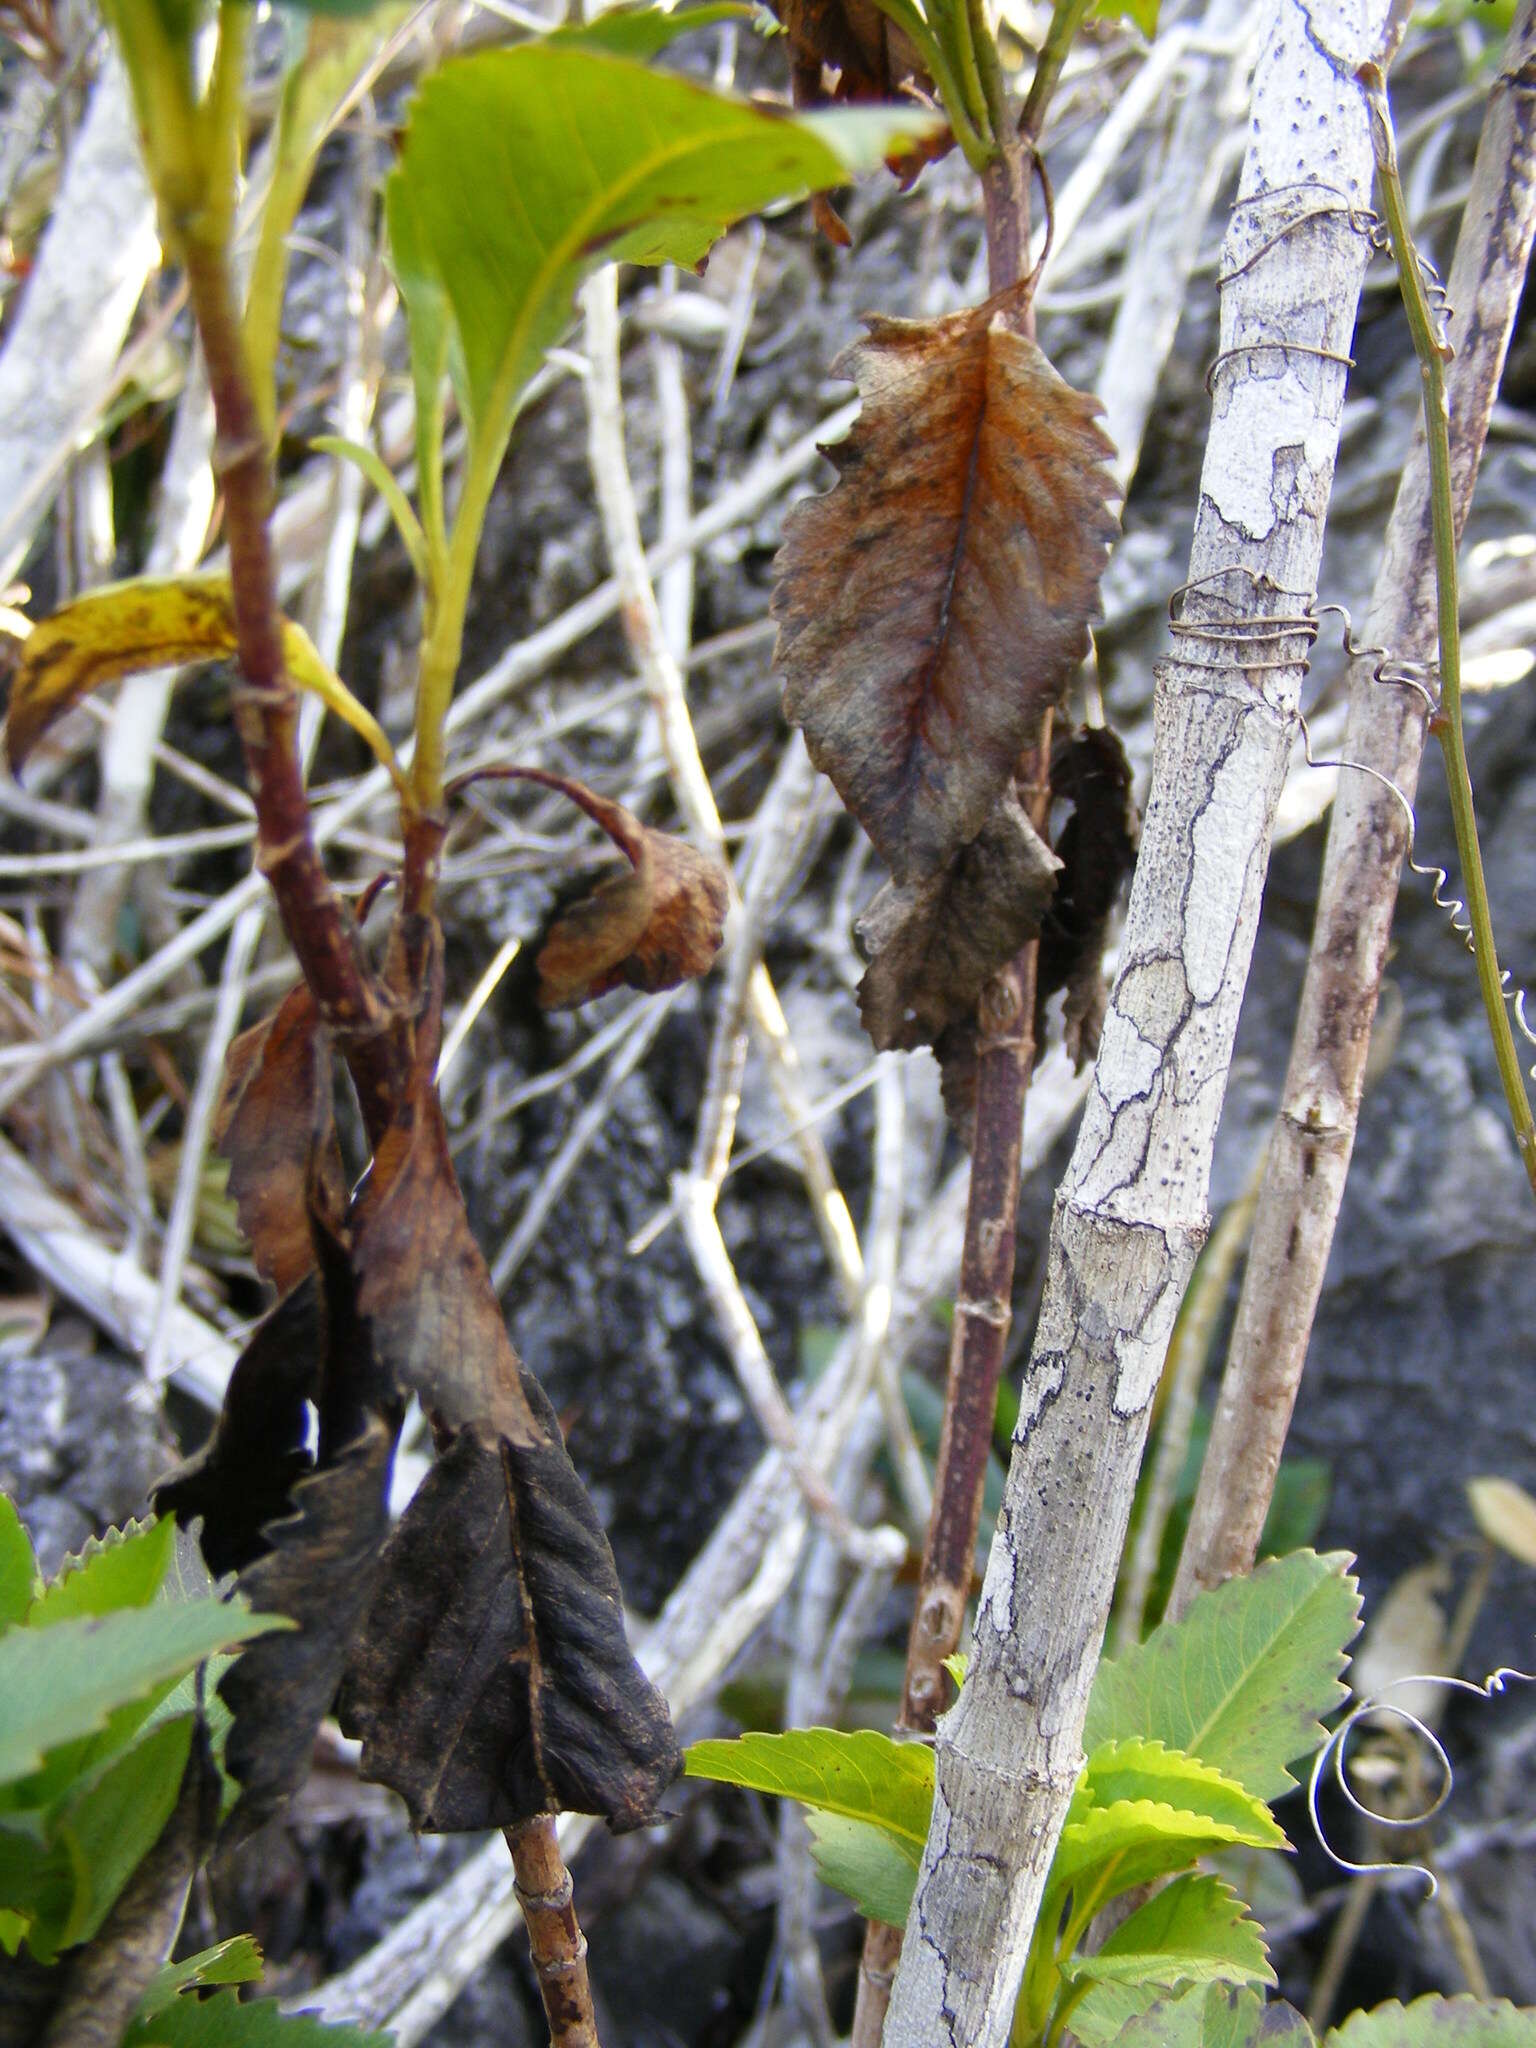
<point x="155" y="622"/>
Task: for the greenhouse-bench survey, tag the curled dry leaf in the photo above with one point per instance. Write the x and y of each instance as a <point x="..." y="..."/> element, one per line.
<point x="934" y="604"/>
<point x="933" y="946"/>
<point x="657" y="925"/>
<point x="274" y="1127"/>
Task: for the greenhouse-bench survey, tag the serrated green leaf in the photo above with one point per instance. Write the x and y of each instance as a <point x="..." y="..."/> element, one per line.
<point x="593" y="159"/>
<point x="124" y="1568"/>
<point x="237" y="1961"/>
<point x="1112" y="1849"/>
<point x="1438" y="2023"/>
<point x="1195" y="1930"/>
<point x="863" y="1775"/>
<point x="1139" y="1769"/>
<point x="1214" y="2016"/>
<point x="1242" y="1680"/>
<point x="225" y="2021"/>
<point x="641" y="31"/>
<point x="875" y="1869"/>
<point x="59" y="1683"/>
<point x="18" y="1566"/>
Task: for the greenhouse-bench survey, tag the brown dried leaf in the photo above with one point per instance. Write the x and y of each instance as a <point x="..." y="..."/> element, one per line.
<point x="1097" y="846"/>
<point x="274" y="1127"/>
<point x="933" y="946"/>
<point x="432" y="1313"/>
<point x="653" y="927"/>
<point x="493" y="1679"/>
<point x="849" y="51"/>
<point x="936" y="602"/>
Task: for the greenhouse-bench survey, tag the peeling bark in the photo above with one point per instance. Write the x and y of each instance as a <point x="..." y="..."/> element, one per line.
<point x="1132" y="1212"/>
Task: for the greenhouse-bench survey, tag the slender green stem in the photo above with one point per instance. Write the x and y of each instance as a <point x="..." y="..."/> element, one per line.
<point x="1433" y="352"/>
<point x="956" y="35"/>
<point x="1067" y="18"/>
<point x="448" y="604"/>
<point x="930" y="47"/>
<point x="990" y="70"/>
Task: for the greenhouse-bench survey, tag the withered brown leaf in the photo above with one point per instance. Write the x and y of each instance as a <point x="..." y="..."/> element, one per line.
<point x="848" y="50"/>
<point x="935" y="603"/>
<point x="1097" y="849"/>
<point x="493" y="1679"/>
<point x="652" y="927"/>
<point x="933" y="946"/>
<point x="274" y="1127"/>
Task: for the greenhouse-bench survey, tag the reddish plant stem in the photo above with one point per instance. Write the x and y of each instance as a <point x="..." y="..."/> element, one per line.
<point x="558" y="1945"/>
<point x="323" y="937"/>
<point x="983" y="1304"/>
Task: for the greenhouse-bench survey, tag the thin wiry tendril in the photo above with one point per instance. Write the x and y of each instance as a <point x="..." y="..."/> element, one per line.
<point x="1333" y="1756"/>
<point x="1260" y="630"/>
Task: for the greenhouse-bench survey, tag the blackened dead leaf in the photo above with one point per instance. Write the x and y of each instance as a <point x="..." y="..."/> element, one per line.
<point x="1097" y="846"/>
<point x="274" y="1127"/>
<point x="933" y="946"/>
<point x="321" y="1563"/>
<point x="493" y="1679"/>
<point x="935" y="604"/>
<point x="244" y="1475"/>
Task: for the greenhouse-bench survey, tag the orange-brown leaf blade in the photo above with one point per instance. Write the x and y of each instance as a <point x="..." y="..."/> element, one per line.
<point x="935" y="604"/>
<point x="274" y="1127"/>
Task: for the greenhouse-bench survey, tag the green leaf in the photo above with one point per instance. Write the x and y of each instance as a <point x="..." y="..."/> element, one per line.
<point x="1106" y="1850"/>
<point x="113" y="1822"/>
<point x="1138" y="1769"/>
<point x="1438" y="2023"/>
<point x="59" y="1683"/>
<point x="382" y="477"/>
<point x="1213" y="2016"/>
<point x="1195" y="1930"/>
<point x="18" y="1566"/>
<point x="877" y="1870"/>
<point x="224" y="2021"/>
<point x="591" y="159"/>
<point x="1142" y="12"/>
<point x="1242" y="1680"/>
<point x="237" y="1961"/>
<point x="124" y="1568"/>
<point x="642" y="31"/>
<point x="863" y="1776"/>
